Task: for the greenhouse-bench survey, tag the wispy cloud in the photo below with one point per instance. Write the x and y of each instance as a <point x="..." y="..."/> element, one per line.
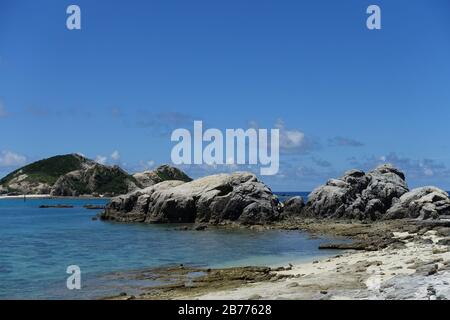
<point x="292" y="141"/>
<point x="414" y="168"/>
<point x="11" y="159"/>
<point x="44" y="112"/>
<point x="115" y="156"/>
<point x="344" y="142"/>
<point x="321" y="162"/>
<point x="101" y="159"/>
<point x="140" y="166"/>
<point x="165" y="122"/>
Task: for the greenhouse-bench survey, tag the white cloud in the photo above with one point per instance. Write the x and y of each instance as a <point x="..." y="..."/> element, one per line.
<point x="101" y="159"/>
<point x="115" y="155"/>
<point x="413" y="168"/>
<point x="293" y="140"/>
<point x="143" y="166"/>
<point x="11" y="159"/>
<point x="428" y="172"/>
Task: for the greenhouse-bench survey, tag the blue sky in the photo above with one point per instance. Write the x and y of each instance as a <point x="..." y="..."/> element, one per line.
<point x="139" y="69"/>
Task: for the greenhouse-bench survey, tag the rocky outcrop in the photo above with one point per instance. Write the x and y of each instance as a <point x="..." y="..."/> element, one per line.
<point x="293" y="206"/>
<point x="358" y="195"/>
<point x="68" y="175"/>
<point x="422" y="203"/>
<point x="25" y="184"/>
<point x="96" y="179"/>
<point x="238" y="197"/>
<point x="3" y="190"/>
<point x="160" y="174"/>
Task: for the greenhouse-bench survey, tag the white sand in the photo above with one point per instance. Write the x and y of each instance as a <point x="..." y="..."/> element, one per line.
<point x="31" y="196"/>
<point x="385" y="274"/>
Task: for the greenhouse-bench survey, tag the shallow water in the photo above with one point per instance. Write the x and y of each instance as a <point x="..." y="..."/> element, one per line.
<point x="37" y="245"/>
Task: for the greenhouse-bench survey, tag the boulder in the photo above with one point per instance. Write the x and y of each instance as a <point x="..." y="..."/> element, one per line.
<point x="293" y="206"/>
<point x="160" y="174"/>
<point x="238" y="197"/>
<point x="358" y="195"/>
<point x="421" y="203"/>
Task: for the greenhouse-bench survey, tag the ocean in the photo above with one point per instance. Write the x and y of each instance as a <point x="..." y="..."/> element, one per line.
<point x="37" y="246"/>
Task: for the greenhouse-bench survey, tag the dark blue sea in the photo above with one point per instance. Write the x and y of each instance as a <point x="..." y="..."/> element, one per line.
<point x="37" y="245"/>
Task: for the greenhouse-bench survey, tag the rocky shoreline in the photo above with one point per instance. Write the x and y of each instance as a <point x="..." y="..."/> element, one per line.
<point x="396" y="259"/>
<point x="400" y="247"/>
<point x="400" y="237"/>
<point x="240" y="197"/>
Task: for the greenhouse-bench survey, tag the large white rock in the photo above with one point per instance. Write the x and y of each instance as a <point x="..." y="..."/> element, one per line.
<point x="422" y="203"/>
<point x="218" y="198"/>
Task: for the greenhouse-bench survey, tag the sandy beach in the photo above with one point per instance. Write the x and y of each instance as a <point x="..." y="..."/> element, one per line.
<point x="31" y="196"/>
<point x="420" y="270"/>
<point x="411" y="263"/>
<point x="47" y="196"/>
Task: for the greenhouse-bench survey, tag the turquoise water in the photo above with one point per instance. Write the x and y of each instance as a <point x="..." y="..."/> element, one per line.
<point x="37" y="245"/>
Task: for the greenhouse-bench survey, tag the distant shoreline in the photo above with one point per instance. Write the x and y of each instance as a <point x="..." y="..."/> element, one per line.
<point x="47" y="196"/>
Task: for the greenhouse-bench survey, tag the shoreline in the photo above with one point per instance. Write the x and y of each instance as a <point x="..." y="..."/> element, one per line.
<point x="48" y="196"/>
<point x="386" y="259"/>
<point x="417" y="271"/>
<point x="413" y="264"/>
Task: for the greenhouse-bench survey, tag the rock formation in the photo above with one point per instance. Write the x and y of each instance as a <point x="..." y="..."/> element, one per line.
<point x="160" y="174"/>
<point x="423" y="203"/>
<point x="239" y="197"/>
<point x="358" y="195"/>
<point x="94" y="179"/>
<point x="68" y="175"/>
<point x="293" y="206"/>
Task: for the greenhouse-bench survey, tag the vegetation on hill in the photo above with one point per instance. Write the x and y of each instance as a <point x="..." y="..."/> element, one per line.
<point x="48" y="170"/>
<point x="75" y="175"/>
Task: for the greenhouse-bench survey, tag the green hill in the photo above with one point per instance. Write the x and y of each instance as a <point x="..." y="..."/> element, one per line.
<point x="68" y="175"/>
<point x="75" y="175"/>
<point x="48" y="170"/>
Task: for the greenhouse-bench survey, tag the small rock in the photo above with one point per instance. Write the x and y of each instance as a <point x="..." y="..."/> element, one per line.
<point x="440" y="251"/>
<point x="444" y="242"/>
<point x="200" y="227"/>
<point x="433" y="270"/>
